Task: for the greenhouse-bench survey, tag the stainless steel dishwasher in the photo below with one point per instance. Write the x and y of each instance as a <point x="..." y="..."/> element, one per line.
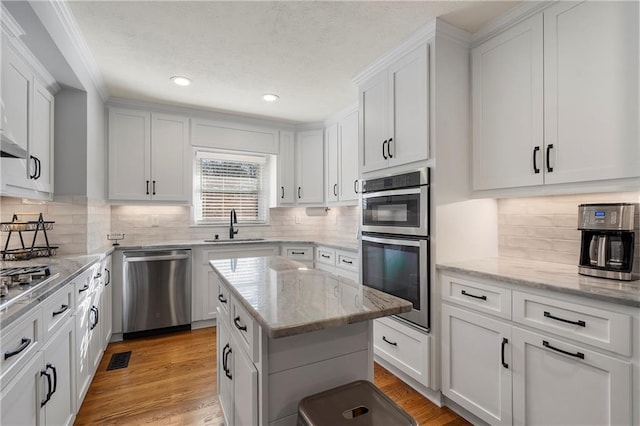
<point x="156" y="294"/>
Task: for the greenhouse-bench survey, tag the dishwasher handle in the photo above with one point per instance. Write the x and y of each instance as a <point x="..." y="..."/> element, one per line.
<point x="154" y="258"/>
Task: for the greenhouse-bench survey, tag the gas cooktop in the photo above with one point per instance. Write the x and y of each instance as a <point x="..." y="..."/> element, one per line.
<point x="20" y="283"/>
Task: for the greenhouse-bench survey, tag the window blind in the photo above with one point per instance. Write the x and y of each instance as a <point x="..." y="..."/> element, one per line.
<point x="230" y="181"/>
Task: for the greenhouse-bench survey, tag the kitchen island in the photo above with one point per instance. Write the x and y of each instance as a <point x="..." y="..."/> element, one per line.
<point x="286" y="331"/>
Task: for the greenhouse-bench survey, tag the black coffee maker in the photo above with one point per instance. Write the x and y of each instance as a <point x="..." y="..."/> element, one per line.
<point x="608" y="238"/>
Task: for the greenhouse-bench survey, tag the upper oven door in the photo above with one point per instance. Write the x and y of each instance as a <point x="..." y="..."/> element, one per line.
<point x="401" y="211"/>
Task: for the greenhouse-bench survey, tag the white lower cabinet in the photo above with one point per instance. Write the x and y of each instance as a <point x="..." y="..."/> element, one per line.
<point x="476" y="371"/>
<point x="567" y="367"/>
<point x="20" y="399"/>
<point x="555" y="382"/>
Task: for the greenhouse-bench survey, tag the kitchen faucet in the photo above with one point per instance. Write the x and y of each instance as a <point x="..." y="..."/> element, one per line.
<point x="232" y="219"/>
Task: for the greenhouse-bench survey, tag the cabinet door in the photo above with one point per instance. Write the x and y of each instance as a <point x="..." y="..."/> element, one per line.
<point x="559" y="383"/>
<point x="83" y="365"/>
<point x="95" y="329"/>
<point x="41" y="141"/>
<point x="58" y="357"/>
<point x="591" y="90"/>
<point x="348" y="156"/>
<point x="170" y="158"/>
<point x="374" y="106"/>
<point x="310" y="167"/>
<point x="129" y="154"/>
<point x="409" y="108"/>
<point x="331" y="141"/>
<point x="225" y="383"/>
<point x="106" y="320"/>
<point x="286" y="185"/>
<point x="245" y="388"/>
<point x="20" y="399"/>
<point x="16" y="91"/>
<point x="475" y="364"/>
<point x="507" y="86"/>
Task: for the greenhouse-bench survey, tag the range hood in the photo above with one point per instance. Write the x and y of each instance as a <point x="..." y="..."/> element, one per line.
<point x="10" y="149"/>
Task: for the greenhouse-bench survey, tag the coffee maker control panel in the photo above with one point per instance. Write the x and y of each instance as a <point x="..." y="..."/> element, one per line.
<point x="618" y="217"/>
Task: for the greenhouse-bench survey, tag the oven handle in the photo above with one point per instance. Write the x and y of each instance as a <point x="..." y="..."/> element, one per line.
<point x="408" y="191"/>
<point x="412" y="243"/>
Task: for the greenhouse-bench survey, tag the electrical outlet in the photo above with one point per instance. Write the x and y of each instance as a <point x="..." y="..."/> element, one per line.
<point x="155" y="221"/>
<point x="297" y="219"/>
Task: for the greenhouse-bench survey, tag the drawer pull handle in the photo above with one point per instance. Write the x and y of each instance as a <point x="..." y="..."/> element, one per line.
<point x="297" y="252"/>
<point x="98" y="275"/>
<point x="348" y="262"/>
<point x="225" y="354"/>
<point x="108" y="281"/>
<point x="222" y="299"/>
<point x="23" y="345"/>
<point x="483" y="297"/>
<point x="576" y="355"/>
<point x="63" y="308"/>
<point x="579" y="322"/>
<point x="83" y="289"/>
<point x="326" y="256"/>
<point x="389" y="342"/>
<point x="238" y="324"/>
<point x="504" y="343"/>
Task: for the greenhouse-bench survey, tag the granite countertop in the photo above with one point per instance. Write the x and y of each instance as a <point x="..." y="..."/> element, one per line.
<point x="549" y="276"/>
<point x="286" y="298"/>
<point x="349" y="246"/>
<point x="66" y="268"/>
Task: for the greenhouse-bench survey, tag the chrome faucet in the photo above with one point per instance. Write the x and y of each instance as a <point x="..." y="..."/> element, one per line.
<point x="232" y="219"/>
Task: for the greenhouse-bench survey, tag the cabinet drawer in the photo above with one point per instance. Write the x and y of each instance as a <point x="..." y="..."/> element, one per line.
<point x="19" y="342"/>
<point x="56" y="309"/>
<point x="84" y="285"/>
<point x="326" y="256"/>
<point x="595" y="326"/>
<point x="245" y="328"/>
<point x="299" y="253"/>
<point x="404" y="347"/>
<point x="347" y="261"/>
<point x="224" y="298"/>
<point x="476" y="295"/>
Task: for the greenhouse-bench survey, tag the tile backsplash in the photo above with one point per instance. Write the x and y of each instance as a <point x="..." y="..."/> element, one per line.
<point x="545" y="228"/>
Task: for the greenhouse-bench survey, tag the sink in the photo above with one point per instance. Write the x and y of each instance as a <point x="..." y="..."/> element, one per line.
<point x="235" y="240"/>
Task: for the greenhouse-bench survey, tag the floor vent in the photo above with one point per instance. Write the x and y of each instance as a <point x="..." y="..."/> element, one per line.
<point x="119" y="360"/>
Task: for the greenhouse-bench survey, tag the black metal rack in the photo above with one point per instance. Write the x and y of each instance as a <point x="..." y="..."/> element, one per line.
<point x="20" y="226"/>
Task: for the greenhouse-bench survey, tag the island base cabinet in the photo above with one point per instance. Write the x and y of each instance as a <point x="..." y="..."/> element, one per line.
<point x="475" y="364"/>
<point x="20" y="396"/>
<point x="559" y="383"/>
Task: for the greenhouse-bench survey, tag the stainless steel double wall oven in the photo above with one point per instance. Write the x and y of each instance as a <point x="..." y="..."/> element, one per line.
<point x="395" y="239"/>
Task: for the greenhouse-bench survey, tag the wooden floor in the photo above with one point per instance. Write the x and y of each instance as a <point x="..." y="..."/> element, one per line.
<point x="171" y="380"/>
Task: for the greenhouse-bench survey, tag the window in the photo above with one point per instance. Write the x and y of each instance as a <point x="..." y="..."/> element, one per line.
<point x="226" y="181"/>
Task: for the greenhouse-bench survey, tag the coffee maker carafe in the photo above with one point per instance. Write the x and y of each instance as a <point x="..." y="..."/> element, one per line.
<point x="608" y="238"/>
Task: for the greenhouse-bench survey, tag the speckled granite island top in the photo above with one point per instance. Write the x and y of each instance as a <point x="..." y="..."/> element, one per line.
<point x="287" y="299"/>
<point x="549" y="276"/>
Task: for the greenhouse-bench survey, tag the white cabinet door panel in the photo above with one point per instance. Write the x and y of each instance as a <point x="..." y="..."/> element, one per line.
<point x="332" y="180"/>
<point x="170" y="160"/>
<point x="286" y="169"/>
<point x="591" y="54"/>
<point x="41" y="141"/>
<point x="21" y="397"/>
<point x="310" y="167"/>
<point x="374" y="105"/>
<point x="245" y="389"/>
<point x="507" y="85"/>
<point x="559" y="383"/>
<point x="348" y="155"/>
<point x="58" y="354"/>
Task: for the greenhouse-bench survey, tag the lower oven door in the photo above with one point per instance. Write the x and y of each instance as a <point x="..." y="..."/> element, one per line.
<point x="399" y="265"/>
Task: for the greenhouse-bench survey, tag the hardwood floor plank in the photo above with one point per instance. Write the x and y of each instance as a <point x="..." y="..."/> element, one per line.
<point x="171" y="380"/>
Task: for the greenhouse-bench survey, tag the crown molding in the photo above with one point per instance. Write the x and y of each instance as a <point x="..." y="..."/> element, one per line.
<point x="455" y="34"/>
<point x="68" y="22"/>
<point x="334" y="118"/>
<point x="9" y="25"/>
<point x="512" y="17"/>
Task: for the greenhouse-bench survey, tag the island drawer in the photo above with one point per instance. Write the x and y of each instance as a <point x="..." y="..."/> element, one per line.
<point x="84" y="285"/>
<point x="586" y="324"/>
<point x="56" y="309"/>
<point x="477" y="295"/>
<point x="20" y="341"/>
<point x="299" y="253"/>
<point x="246" y="328"/>
<point x="223" y="297"/>
<point x="326" y="256"/>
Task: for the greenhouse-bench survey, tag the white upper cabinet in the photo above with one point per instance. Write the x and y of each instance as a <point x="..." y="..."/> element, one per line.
<point x="27" y="119"/>
<point x="395" y="113"/>
<point x="348" y="158"/>
<point x="556" y="98"/>
<point x="149" y="157"/>
<point x="508" y="107"/>
<point x="310" y="167"/>
<point x="591" y="53"/>
<point x="286" y="170"/>
<point x="332" y="176"/>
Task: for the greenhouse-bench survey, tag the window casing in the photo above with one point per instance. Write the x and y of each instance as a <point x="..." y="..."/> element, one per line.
<point x="225" y="181"/>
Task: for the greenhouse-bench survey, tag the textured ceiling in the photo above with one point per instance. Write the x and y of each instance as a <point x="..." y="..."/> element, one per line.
<point x="306" y="52"/>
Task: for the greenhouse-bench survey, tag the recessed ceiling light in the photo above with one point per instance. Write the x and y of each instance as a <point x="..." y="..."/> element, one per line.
<point x="181" y="81"/>
<point x="270" y="97"/>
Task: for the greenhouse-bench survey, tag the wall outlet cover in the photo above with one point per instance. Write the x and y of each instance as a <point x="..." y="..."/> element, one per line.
<point x="297" y="219"/>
